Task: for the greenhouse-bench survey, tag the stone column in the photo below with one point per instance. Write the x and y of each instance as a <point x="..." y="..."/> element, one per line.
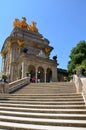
<point x="36" y="74"/>
<point x="3" y="64"/>
<point x="23" y="69"/>
<point x="54" y="74"/>
<point x="45" y="75"/>
<point x="11" y="72"/>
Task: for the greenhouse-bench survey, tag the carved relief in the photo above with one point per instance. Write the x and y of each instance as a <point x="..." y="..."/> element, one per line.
<point x="32" y="50"/>
<point x="41" y="54"/>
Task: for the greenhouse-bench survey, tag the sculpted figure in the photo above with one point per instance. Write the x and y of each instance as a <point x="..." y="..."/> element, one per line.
<point x="23" y="23"/>
<point x="33" y="27"/>
<point x="17" y="23"/>
<point x="24" y="19"/>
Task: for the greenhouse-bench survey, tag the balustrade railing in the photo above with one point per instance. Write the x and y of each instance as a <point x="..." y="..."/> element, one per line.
<point x="13" y="86"/>
<point x="80" y="83"/>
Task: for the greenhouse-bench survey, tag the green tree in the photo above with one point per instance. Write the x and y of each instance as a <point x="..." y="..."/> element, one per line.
<point x="77" y="58"/>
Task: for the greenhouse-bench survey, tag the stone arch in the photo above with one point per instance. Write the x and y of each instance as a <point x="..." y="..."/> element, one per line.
<point x="40" y="74"/>
<point x="48" y="75"/>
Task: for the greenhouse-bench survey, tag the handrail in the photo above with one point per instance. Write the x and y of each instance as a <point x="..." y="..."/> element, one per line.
<point x="77" y="83"/>
<point x="83" y="80"/>
<point x="13" y="86"/>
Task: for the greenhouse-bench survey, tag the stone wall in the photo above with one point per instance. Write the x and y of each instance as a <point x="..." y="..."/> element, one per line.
<point x="80" y="83"/>
<point x="83" y="80"/>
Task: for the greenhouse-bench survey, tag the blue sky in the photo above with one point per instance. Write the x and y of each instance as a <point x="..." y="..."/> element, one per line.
<point x="62" y="22"/>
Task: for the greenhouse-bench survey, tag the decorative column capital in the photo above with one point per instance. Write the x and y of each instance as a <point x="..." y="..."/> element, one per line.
<point x="9" y="43"/>
<point x="3" y="54"/>
<point x="20" y="44"/>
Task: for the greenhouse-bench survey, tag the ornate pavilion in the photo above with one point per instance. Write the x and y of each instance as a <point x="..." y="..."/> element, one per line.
<point x="26" y="51"/>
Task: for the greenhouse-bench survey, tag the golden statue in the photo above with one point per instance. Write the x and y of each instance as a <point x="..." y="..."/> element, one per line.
<point x="23" y="24"/>
<point x="47" y="50"/>
<point x="17" y="23"/>
<point x="33" y="27"/>
<point x="20" y="43"/>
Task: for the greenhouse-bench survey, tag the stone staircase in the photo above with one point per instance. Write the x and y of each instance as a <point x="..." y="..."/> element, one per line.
<point x="43" y="106"/>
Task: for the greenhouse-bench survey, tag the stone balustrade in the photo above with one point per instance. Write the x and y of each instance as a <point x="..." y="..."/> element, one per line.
<point x="13" y="86"/>
<point x="80" y="83"/>
<point x="3" y="87"/>
<point x="83" y="80"/>
<point x="77" y="83"/>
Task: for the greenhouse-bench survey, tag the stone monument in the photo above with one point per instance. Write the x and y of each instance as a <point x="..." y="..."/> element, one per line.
<point x="24" y="51"/>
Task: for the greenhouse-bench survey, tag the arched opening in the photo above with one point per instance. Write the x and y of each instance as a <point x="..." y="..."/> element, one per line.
<point x="40" y="74"/>
<point x="31" y="70"/>
<point x="49" y="75"/>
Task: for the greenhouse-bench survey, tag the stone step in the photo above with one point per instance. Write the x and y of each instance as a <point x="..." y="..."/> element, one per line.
<point x="43" y="115"/>
<point x="50" y="90"/>
<point x="25" y="104"/>
<point x="43" y="95"/>
<point x="46" y="99"/>
<point x="53" y="84"/>
<point x="43" y="121"/>
<point x="37" y="88"/>
<point x="56" y="103"/>
<point x="49" y="87"/>
<point x="19" y="126"/>
<point x="43" y="91"/>
<point x="43" y="110"/>
<point x="53" y="101"/>
<point x="37" y="85"/>
<point x="3" y="129"/>
<point x="43" y="106"/>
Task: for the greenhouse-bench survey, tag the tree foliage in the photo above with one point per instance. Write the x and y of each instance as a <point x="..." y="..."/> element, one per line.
<point x="77" y="58"/>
